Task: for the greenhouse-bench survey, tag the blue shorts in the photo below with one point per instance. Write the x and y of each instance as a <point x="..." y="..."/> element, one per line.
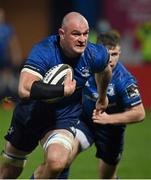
<point x="84" y="135"/>
<point x="109" y="140"/>
<point x="32" y="120"/>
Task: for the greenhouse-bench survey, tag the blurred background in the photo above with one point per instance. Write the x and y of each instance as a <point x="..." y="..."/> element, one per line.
<point x="23" y="23"/>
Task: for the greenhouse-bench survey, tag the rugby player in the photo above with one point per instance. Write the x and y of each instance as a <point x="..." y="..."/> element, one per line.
<point x="54" y="125"/>
<point x="125" y="107"/>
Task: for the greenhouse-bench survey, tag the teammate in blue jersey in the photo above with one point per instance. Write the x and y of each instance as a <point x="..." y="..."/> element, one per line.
<point x="125" y="106"/>
<point x="54" y="125"/>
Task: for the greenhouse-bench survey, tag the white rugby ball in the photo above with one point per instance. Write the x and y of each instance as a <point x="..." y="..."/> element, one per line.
<point x="57" y="73"/>
<point x="55" y="76"/>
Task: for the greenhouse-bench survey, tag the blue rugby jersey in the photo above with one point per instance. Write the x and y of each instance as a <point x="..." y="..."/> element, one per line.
<point x="122" y="92"/>
<point x="48" y="53"/>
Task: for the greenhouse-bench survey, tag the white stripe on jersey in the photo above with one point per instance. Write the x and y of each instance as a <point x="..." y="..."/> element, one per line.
<point x="135" y="103"/>
<point x="32" y="72"/>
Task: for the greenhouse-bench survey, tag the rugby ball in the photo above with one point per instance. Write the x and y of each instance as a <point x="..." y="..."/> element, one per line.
<point x="55" y="76"/>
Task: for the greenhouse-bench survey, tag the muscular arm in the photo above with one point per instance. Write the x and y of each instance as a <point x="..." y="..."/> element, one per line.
<point x="102" y="80"/>
<point x="30" y="86"/>
<point x="25" y="82"/>
<point x="132" y="115"/>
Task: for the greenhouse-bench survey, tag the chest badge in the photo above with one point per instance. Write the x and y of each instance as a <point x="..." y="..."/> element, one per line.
<point x="85" y="72"/>
<point x="110" y="90"/>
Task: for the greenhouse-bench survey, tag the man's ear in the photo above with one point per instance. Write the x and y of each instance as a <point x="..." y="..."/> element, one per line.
<point x="61" y="33"/>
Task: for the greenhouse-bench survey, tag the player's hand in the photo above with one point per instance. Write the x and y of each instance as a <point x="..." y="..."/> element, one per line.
<point x="69" y="85"/>
<point x="101" y="105"/>
<point x="100" y="118"/>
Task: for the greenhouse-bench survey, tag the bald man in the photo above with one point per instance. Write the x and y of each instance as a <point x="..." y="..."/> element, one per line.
<point x="56" y="126"/>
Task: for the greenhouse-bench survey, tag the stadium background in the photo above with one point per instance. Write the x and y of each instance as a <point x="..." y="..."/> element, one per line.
<point x="35" y="19"/>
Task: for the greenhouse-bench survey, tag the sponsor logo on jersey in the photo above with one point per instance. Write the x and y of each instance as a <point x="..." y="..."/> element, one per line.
<point x="132" y="91"/>
<point x="110" y="90"/>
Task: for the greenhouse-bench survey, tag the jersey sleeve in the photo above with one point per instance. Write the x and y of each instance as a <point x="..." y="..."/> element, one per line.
<point x="129" y="93"/>
<point x="101" y="59"/>
<point x="38" y="60"/>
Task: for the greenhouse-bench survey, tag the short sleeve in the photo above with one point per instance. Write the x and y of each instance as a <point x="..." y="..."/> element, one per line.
<point x="129" y="93"/>
<point x="38" y="59"/>
<point x="101" y="59"/>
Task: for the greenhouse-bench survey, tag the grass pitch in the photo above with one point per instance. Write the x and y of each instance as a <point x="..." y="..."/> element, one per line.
<point x="135" y="163"/>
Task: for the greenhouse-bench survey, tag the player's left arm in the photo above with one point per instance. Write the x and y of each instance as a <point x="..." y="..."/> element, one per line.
<point x="130" y="115"/>
<point x="102" y="80"/>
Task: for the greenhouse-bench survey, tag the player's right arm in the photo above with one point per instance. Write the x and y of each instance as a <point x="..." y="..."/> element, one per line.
<point x="103" y="75"/>
<point x="25" y="83"/>
<point x="102" y="80"/>
<point x="31" y="87"/>
<point x="131" y="115"/>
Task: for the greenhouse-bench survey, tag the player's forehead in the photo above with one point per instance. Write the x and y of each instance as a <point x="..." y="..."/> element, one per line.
<point x="116" y="48"/>
<point x="78" y="27"/>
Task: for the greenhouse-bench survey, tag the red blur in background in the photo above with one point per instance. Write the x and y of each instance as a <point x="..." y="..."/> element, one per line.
<point x="143" y="76"/>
